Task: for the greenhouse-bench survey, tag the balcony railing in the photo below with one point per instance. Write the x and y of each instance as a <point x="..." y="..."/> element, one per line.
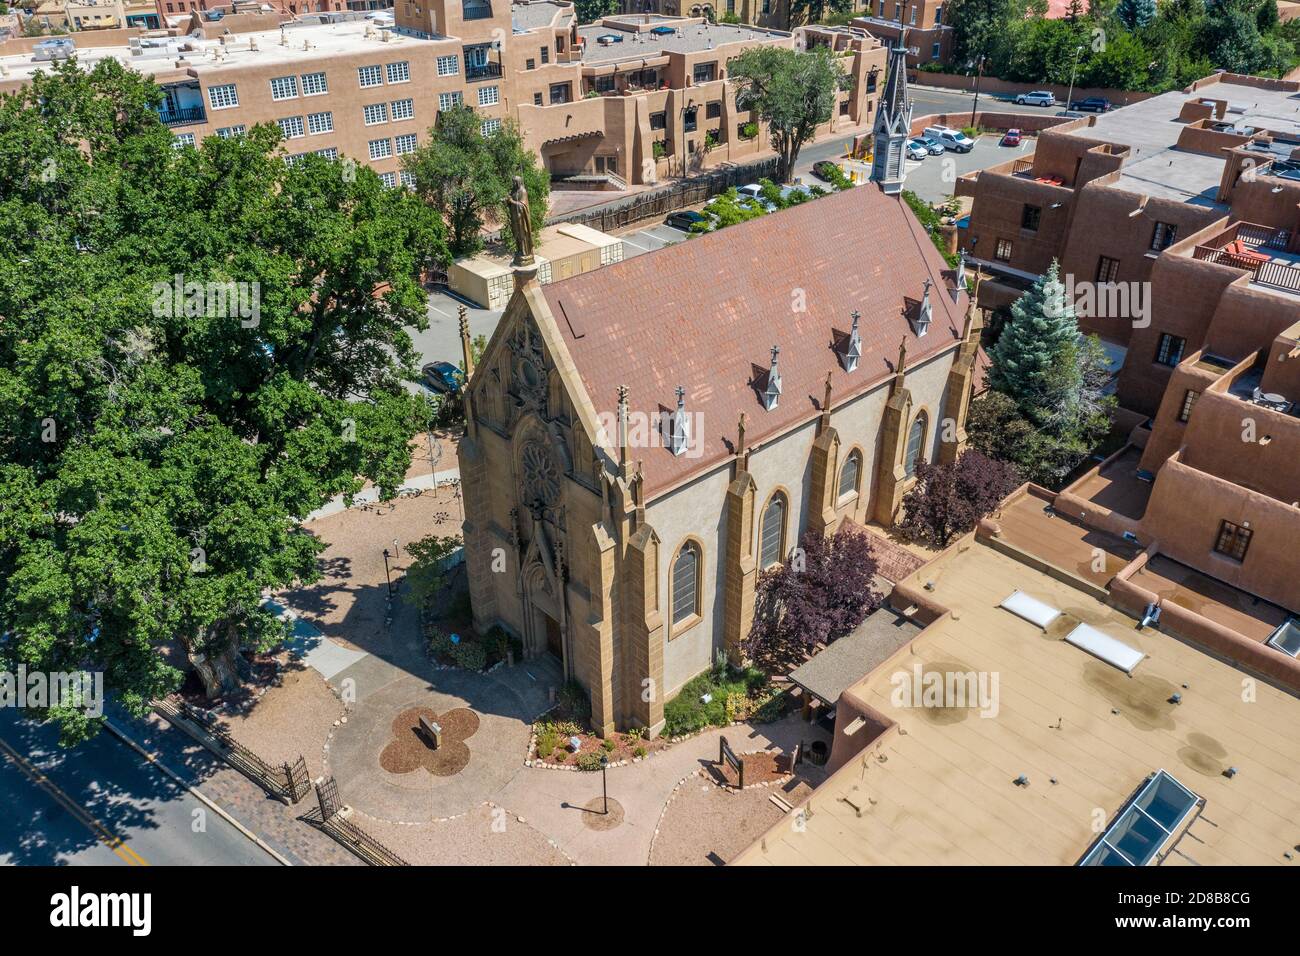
<point x="1238" y="246"/>
<point x="483" y="71"/>
<point x="183" y="116"/>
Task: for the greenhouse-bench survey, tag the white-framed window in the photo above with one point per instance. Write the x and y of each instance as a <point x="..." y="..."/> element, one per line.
<point x="399" y="72"/>
<point x="229" y="132"/>
<point x="291" y="126"/>
<point x="380" y="148"/>
<point x="388" y="179"/>
<point x="405" y="143"/>
<point x="182" y="140"/>
<point x="489" y="95"/>
<point x="318" y="123"/>
<point x="375" y="113"/>
<point x="447" y="100"/>
<point x="448" y="65"/>
<point x="223" y="97"/>
<point x="314" y="84"/>
<point x="329" y="152"/>
<point x="406" y="179"/>
<point x="294" y="160"/>
<point x="402" y="109"/>
<point x="490" y="126"/>
<point x="284" y="87"/>
<point x="370" y="76"/>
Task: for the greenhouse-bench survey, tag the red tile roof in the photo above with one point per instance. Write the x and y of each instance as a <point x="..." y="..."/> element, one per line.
<point x="706" y="312"/>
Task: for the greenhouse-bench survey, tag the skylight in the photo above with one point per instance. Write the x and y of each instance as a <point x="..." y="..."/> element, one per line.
<point x="1287" y="637"/>
<point x="1145" y="825"/>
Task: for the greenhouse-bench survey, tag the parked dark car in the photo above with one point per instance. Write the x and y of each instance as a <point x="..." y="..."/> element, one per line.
<point x="824" y="170"/>
<point x="443" y="377"/>
<point x="684" y="219"/>
<point x="1092" y="104"/>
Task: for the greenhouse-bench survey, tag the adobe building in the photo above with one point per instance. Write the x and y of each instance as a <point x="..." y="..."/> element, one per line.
<point x="1030" y="719"/>
<point x="917" y="25"/>
<point x="1191" y="200"/>
<point x="627" y="100"/>
<point x="1107" y="195"/>
<point x="643" y="440"/>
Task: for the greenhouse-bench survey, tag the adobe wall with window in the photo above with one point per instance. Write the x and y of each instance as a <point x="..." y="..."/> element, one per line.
<point x="1184" y="518"/>
<point x="697" y="512"/>
<point x="1106" y="225"/>
<point x="1187" y="383"/>
<point x="1005" y="206"/>
<point x="1185" y="294"/>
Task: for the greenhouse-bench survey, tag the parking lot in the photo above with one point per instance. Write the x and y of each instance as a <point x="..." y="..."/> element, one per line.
<point x="935" y="177"/>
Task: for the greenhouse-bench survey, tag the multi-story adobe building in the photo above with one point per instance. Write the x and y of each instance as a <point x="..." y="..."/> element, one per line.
<point x="626" y="100"/>
<point x="916" y="24"/>
<point x="1182" y="214"/>
<point x="928" y="38"/>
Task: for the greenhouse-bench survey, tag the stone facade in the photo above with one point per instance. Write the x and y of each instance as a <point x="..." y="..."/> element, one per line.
<point x="568" y="551"/>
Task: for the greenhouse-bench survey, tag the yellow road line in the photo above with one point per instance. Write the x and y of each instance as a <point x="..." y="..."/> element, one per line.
<point x="106" y="836"/>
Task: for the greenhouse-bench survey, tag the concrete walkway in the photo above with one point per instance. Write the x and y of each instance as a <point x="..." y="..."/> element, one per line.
<point x="552" y="800"/>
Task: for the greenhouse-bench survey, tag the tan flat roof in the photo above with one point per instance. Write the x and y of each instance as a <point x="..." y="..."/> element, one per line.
<point x="938" y="788"/>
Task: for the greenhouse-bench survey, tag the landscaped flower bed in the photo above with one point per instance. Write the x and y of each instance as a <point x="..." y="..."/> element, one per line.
<point x="722" y="696"/>
<point x="551" y="745"/>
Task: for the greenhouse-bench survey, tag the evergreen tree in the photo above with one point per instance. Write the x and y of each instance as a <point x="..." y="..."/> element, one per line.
<point x="1136" y="14"/>
<point x="1027" y="354"/>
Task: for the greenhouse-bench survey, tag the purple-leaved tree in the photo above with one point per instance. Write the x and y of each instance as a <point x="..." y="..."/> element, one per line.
<point x="822" y="592"/>
<point x="949" y="500"/>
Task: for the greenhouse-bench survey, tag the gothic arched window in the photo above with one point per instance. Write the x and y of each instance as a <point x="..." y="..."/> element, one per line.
<point x="850" y="473"/>
<point x="915" y="443"/>
<point x="686" y="583"/>
<point x="771" y="538"/>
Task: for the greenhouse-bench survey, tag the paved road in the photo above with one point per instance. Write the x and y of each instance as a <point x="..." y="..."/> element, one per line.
<point x="103" y="804"/>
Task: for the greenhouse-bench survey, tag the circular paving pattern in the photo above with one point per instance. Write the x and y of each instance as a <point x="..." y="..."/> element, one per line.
<point x="594" y="819"/>
<point x="386" y="769"/>
<point x="409" y="750"/>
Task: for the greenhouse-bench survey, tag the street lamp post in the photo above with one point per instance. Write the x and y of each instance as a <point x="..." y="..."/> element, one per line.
<point x="979" y="75"/>
<point x="1073" y="69"/>
<point x="604" y="788"/>
<point x="387" y="576"/>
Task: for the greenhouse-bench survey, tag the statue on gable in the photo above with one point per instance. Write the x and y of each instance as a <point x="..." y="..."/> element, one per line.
<point x="521" y="224"/>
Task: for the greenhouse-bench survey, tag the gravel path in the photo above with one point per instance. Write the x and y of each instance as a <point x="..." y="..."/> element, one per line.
<point x="485" y="836"/>
<point x="294" y="717"/>
<point x="705" y="825"/>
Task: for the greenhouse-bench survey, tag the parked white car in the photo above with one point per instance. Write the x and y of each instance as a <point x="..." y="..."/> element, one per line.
<point x="951" y="139"/>
<point x="1037" y="98"/>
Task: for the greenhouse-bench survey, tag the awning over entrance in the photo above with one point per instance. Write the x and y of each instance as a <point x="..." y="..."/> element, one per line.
<point x="572" y="137"/>
<point x="852" y="657"/>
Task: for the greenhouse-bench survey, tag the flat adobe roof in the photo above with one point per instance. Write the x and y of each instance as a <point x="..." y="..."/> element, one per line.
<point x="1151" y="128"/>
<point x="939" y="788"/>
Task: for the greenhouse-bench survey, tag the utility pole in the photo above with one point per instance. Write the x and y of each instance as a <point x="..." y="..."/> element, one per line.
<point x="979" y="75"/>
<point x="1074" y="69"/>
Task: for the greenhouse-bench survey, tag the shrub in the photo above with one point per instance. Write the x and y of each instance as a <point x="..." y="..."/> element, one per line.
<point x="771" y="709"/>
<point x="608" y="746"/>
<point x="561" y="755"/>
<point x="439" y="643"/>
<point x="734" y="705"/>
<point x="588" y="762"/>
<point x="659" y="149"/>
<point x="546" y="743"/>
<point x="567" y="728"/>
<point x="749" y="130"/>
<point x="469" y="655"/>
<point x="639" y="752"/>
<point x="633" y="734"/>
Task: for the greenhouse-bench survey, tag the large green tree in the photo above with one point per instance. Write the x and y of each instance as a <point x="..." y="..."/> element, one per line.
<point x="198" y="347"/>
<point x="1049" y="407"/>
<point x="467" y="176"/>
<point x="792" y="92"/>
